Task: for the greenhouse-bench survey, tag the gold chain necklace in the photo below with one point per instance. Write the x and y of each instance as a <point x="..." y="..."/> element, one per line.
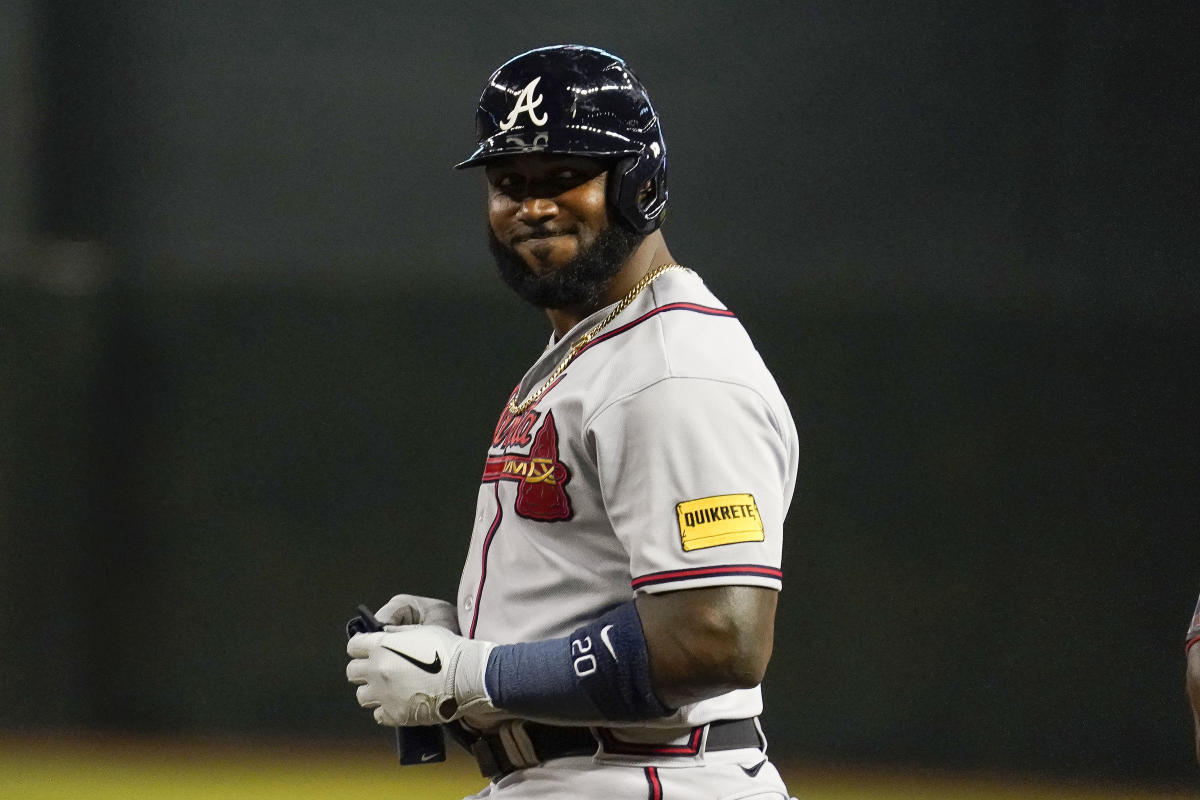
<point x="582" y="341"/>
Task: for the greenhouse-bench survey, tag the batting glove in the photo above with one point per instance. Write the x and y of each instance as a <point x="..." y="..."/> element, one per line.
<point x="418" y="674"/>
<point x="411" y="609"/>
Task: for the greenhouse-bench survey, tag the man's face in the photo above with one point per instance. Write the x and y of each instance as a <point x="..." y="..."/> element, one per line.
<point x="550" y="230"/>
<point x="547" y="208"/>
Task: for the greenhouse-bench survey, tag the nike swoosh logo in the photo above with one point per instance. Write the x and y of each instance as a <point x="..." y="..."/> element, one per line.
<point x="432" y="667"/>
<point x="753" y="771"/>
<point x="604" y="638"/>
<point x="428" y="756"/>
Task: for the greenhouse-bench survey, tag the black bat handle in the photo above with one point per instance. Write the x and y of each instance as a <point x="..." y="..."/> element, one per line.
<point x="418" y="744"/>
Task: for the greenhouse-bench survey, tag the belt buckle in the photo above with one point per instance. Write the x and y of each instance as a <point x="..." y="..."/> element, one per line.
<point x="518" y="747"/>
<point x="507" y="750"/>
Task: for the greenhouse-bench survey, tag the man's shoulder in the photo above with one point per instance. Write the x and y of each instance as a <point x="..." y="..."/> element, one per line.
<point x="701" y="337"/>
<point x="681" y="331"/>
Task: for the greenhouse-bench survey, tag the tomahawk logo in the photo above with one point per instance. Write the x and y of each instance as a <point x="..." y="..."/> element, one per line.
<point x="528" y="103"/>
<point x="541" y="494"/>
<point x="542" y="478"/>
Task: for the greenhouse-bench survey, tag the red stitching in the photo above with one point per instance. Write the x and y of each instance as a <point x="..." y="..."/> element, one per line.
<point x="707" y="572"/>
<point x="487" y="544"/>
<point x="656" y="792"/>
<point x="617" y="747"/>
<point x="717" y="312"/>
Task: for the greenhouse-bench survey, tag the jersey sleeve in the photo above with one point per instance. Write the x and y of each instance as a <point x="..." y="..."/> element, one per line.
<point x="696" y="475"/>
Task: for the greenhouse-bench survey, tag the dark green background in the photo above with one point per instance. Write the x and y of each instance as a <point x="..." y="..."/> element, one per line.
<point x="252" y="349"/>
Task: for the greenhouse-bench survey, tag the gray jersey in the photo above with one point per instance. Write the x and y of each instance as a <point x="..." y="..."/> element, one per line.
<point x="663" y="458"/>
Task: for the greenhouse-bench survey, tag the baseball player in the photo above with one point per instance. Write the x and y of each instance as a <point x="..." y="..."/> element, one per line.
<point x="1193" y="672"/>
<point x="616" y="609"/>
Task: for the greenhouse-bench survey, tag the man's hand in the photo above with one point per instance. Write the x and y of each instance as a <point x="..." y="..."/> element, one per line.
<point x="411" y="609"/>
<point x="418" y="674"/>
<point x="1193" y="686"/>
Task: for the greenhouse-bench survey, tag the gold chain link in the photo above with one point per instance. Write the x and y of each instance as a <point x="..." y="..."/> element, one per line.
<point x="582" y="341"/>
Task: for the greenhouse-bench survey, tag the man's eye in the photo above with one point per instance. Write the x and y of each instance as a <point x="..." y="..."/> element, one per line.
<point x="507" y="182"/>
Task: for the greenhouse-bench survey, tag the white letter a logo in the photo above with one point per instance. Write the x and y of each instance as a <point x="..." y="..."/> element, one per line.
<point x="527" y="103"/>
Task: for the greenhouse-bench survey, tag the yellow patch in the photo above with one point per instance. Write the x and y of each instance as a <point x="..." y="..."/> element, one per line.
<point x="724" y="519"/>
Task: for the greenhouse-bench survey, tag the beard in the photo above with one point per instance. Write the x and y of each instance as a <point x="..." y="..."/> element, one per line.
<point x="580" y="282"/>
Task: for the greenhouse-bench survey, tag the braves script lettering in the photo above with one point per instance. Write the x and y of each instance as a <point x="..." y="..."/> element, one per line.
<point x="513" y="429"/>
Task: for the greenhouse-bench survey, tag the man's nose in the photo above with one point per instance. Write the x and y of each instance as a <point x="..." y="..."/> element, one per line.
<point x="535" y="210"/>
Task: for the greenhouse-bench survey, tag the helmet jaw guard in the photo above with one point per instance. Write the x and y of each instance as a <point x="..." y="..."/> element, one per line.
<point x="576" y="100"/>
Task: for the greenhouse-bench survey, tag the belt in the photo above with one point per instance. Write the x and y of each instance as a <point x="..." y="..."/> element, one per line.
<point x="520" y="744"/>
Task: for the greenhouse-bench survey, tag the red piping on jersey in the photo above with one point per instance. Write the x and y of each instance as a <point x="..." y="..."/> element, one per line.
<point x="716" y="312"/>
<point x="487" y="543"/>
<point x="668" y="576"/>
<point x="656" y="791"/>
<point x="615" y="746"/>
<point x="1189" y="644"/>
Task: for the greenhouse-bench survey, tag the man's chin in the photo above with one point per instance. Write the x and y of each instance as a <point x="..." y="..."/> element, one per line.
<point x="548" y="275"/>
<point x="546" y="255"/>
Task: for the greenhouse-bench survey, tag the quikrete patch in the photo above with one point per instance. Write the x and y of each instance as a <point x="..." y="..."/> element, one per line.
<point x="724" y="519"/>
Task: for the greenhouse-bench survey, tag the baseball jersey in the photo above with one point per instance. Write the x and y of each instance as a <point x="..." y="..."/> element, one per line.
<point x="663" y="458"/>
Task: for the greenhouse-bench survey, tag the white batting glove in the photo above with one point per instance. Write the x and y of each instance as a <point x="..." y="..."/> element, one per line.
<point x="418" y="674"/>
<point x="411" y="609"/>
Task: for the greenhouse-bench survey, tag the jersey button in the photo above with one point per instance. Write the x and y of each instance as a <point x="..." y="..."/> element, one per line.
<point x="469" y="603"/>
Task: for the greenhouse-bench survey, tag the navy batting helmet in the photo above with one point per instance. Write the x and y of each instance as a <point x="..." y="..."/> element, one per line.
<point x="578" y="100"/>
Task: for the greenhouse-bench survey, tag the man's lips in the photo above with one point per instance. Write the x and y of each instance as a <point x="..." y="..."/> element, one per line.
<point x="538" y="234"/>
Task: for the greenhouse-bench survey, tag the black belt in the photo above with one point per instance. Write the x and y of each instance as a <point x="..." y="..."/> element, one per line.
<point x="494" y="752"/>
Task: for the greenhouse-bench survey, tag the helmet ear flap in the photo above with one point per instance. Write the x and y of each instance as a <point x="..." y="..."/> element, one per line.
<point x="616" y="182"/>
<point x="637" y="201"/>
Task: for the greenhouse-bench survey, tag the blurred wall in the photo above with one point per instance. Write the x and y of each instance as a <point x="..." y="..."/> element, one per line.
<point x="251" y="347"/>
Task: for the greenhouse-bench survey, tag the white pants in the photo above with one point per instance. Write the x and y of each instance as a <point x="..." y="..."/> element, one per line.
<point x="725" y="775"/>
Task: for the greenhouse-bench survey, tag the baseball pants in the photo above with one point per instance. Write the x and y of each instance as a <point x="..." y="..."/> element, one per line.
<point x="728" y="775"/>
